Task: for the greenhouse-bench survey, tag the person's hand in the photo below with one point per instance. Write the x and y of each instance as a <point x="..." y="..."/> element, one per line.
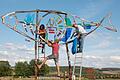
<point x="75" y="25"/>
<point x="97" y="24"/>
<point x="36" y="32"/>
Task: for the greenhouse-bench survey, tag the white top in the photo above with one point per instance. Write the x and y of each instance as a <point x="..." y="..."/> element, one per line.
<point x="81" y="29"/>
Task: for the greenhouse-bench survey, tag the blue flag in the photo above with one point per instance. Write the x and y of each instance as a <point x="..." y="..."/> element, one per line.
<point x="67" y="34"/>
<point x="74" y="46"/>
<point x="87" y="26"/>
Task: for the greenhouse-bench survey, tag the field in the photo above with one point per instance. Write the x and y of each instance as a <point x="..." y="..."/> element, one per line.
<point x="108" y="79"/>
<point x="43" y="78"/>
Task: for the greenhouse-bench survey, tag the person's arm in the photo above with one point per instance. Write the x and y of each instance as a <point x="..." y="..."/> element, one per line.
<point x="69" y="41"/>
<point x="43" y="32"/>
<point x="97" y="25"/>
<point x="49" y="43"/>
<point x="39" y="33"/>
<point x="46" y="41"/>
<point x="66" y="42"/>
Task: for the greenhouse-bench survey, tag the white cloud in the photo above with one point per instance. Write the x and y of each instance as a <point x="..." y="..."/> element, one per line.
<point x="103" y="44"/>
<point x="101" y="61"/>
<point x="4" y="52"/>
<point x="99" y="41"/>
<point x="16" y="52"/>
<point x="13" y="47"/>
<point x="22" y="54"/>
<point x="92" y="57"/>
<point x="10" y="46"/>
<point x="50" y="62"/>
<point x="20" y="60"/>
<point x="3" y="59"/>
<point x="115" y="58"/>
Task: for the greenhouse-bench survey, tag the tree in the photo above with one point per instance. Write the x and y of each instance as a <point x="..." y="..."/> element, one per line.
<point x="43" y="71"/>
<point x="5" y="68"/>
<point x="22" y="69"/>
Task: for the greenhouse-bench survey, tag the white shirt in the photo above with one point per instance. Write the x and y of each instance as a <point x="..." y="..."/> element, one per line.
<point x="81" y="29"/>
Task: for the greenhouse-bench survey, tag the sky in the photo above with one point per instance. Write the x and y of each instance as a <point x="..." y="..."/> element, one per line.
<point x="101" y="48"/>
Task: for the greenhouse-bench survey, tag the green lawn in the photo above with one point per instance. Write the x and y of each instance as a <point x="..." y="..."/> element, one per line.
<point x="107" y="79"/>
<point x="43" y="78"/>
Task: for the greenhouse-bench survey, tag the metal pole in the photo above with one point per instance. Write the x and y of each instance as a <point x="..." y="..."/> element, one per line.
<point x="36" y="47"/>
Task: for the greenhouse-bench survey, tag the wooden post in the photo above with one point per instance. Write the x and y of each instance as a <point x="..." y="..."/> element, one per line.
<point x="69" y="63"/>
<point x="36" y="47"/>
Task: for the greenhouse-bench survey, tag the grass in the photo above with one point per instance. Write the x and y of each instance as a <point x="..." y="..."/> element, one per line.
<point x="44" y="78"/>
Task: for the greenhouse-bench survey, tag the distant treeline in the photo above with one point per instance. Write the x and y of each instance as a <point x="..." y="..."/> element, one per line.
<point x="26" y="69"/>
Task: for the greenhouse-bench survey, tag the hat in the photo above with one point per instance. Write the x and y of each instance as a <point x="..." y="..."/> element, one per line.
<point x="56" y="40"/>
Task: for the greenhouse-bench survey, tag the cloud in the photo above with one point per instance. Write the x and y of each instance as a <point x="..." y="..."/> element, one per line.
<point x="50" y="62"/>
<point x="24" y="53"/>
<point x="103" y="44"/>
<point x="18" y="48"/>
<point x="4" y="52"/>
<point x="99" y="41"/>
<point x="3" y="59"/>
<point x="92" y="57"/>
<point x="10" y="46"/>
<point x="16" y="52"/>
<point x="101" y="61"/>
<point x="96" y="57"/>
<point x="20" y="60"/>
<point x="115" y="58"/>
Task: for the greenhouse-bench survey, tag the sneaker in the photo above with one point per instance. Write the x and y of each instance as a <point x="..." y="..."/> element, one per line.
<point x="58" y="75"/>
